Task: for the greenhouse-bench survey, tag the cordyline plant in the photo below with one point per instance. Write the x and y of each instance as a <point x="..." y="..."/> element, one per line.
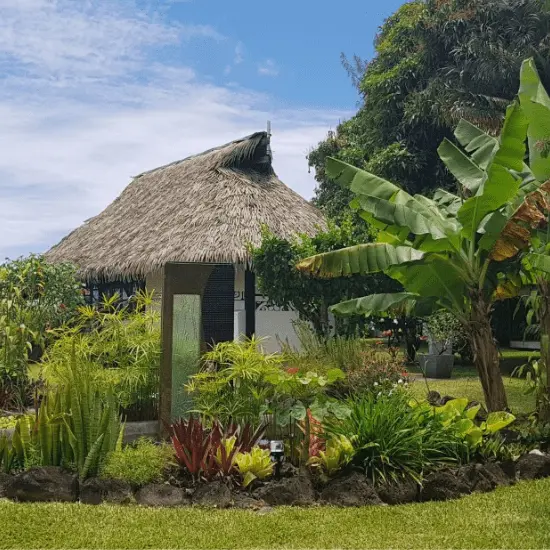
<point x="444" y="250"/>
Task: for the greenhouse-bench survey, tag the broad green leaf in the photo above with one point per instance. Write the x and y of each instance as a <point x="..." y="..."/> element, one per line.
<point x="419" y="219"/>
<point x="360" y="259"/>
<point x="492" y="228"/>
<point x="497" y="421"/>
<point x="471" y="413"/>
<point x="448" y="202"/>
<point x="426" y="243"/>
<point x="474" y="437"/>
<point x="434" y="276"/>
<point x="457" y="405"/>
<point x="476" y="141"/>
<point x="463" y="426"/>
<point x="539" y="261"/>
<point x="360" y="181"/>
<point x="536" y="104"/>
<point x="373" y="304"/>
<point x="461" y="166"/>
<point x="501" y="184"/>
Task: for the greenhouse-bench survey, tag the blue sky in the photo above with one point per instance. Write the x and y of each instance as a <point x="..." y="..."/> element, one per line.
<point x="94" y="92"/>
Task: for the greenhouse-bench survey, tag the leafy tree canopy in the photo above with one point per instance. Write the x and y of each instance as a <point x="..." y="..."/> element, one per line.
<point x="436" y="62"/>
<point x="275" y="264"/>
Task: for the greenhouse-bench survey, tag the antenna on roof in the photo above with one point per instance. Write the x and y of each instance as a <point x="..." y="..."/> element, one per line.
<point x="269" y="139"/>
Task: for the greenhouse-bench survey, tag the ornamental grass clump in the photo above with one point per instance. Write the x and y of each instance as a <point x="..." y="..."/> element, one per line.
<point x="390" y="442"/>
<point x="143" y="462"/>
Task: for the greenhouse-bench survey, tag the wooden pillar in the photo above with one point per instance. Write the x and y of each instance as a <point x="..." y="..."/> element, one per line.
<point x="250" y="303"/>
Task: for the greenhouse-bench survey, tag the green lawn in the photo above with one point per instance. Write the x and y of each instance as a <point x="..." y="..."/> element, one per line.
<point x="514" y="517"/>
<point x="465" y="383"/>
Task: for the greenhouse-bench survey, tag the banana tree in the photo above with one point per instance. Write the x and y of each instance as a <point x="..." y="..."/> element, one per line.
<point x="442" y="250"/>
<point x="526" y="221"/>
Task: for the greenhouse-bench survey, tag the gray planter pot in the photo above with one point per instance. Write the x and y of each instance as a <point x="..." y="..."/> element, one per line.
<point x="436" y="366"/>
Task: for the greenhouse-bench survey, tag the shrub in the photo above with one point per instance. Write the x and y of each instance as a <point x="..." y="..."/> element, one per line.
<point x="240" y="383"/>
<point x="459" y="419"/>
<point x="138" y="464"/>
<point x="121" y="347"/>
<point x="255" y="464"/>
<point x="34" y="297"/>
<point x="234" y="384"/>
<point x="78" y="425"/>
<point x="379" y="371"/>
<point x="390" y="441"/>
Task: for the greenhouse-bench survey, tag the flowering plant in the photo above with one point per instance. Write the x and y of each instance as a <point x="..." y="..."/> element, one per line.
<point x="380" y="372"/>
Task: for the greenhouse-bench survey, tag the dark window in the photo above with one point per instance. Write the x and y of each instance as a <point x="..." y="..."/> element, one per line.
<point x="218" y="305"/>
<point x="94" y="292"/>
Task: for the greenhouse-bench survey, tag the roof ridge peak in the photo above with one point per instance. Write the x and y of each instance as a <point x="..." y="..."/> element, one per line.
<point x="255" y="135"/>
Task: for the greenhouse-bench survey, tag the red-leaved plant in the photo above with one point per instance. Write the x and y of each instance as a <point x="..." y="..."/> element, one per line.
<point x="317" y="442"/>
<point x="211" y="452"/>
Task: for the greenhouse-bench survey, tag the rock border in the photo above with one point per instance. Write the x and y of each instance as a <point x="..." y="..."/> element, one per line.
<point x="349" y="489"/>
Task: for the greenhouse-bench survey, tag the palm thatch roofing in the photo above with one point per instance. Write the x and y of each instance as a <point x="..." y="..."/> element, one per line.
<point x="205" y="208"/>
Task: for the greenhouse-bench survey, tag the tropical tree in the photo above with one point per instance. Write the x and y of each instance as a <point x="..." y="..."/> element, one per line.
<point x="436" y="61"/>
<point x="275" y="264"/>
<point x="526" y="229"/>
<point x="445" y="251"/>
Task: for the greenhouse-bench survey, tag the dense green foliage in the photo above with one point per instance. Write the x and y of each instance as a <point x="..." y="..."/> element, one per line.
<point x="436" y="62"/>
<point x="35" y="297"/>
<point x="77" y="426"/>
<point x="255" y="464"/>
<point x="515" y="517"/>
<point x="241" y="383"/>
<point x="391" y="442"/>
<point x="275" y="264"/>
<point x="393" y="436"/>
<point x="140" y="463"/>
<point x="119" y="346"/>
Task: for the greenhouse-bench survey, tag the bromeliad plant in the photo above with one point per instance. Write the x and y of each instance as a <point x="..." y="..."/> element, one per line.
<point x="338" y="453"/>
<point x="255" y="464"/>
<point x="211" y="451"/>
<point x="443" y="250"/>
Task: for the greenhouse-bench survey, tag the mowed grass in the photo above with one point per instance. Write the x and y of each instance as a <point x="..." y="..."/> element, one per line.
<point x="465" y="383"/>
<point x="516" y="517"/>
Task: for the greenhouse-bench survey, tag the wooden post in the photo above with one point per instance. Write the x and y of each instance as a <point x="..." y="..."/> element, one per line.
<point x="250" y="303"/>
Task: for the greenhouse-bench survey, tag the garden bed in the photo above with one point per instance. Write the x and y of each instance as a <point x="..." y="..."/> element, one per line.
<point x="349" y="489"/>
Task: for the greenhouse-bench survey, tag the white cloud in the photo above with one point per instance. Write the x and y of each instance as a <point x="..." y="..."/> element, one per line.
<point x="94" y="107"/>
<point x="239" y="53"/>
<point x="268" y="68"/>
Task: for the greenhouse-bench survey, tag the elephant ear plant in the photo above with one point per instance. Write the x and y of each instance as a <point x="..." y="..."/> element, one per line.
<point x="442" y="249"/>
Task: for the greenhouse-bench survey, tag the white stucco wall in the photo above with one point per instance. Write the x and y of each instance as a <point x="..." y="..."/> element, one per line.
<point x="272" y="324"/>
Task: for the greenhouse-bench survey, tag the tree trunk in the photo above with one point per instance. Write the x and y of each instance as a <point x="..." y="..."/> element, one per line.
<point x="486" y="359"/>
<point x="544" y="318"/>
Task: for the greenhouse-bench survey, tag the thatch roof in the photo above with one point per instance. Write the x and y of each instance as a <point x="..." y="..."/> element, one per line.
<point x="205" y="208"/>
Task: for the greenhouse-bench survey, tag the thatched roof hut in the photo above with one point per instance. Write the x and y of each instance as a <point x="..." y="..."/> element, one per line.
<point x="205" y="208"/>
